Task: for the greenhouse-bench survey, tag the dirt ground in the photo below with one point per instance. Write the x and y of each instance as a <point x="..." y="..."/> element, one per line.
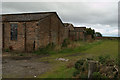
<point x="26" y="66"/>
<point x="23" y="66"/>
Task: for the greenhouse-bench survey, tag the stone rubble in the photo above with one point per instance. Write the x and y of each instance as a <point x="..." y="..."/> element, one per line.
<point x="62" y="59"/>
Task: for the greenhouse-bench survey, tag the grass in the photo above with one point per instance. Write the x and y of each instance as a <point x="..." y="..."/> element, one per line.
<point x="90" y="50"/>
<point x="59" y="72"/>
<point x="108" y="47"/>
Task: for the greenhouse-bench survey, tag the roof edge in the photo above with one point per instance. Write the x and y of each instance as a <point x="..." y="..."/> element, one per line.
<point x="27" y="13"/>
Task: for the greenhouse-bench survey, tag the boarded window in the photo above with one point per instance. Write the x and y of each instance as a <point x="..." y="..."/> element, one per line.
<point x="14" y="31"/>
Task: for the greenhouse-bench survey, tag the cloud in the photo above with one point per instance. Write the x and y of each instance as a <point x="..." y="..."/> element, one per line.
<point x="60" y="0"/>
<point x="101" y="16"/>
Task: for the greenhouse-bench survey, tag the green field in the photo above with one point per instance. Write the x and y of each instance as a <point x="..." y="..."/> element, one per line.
<point x="84" y="50"/>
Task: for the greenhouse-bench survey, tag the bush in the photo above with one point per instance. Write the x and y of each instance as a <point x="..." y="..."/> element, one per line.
<point x="21" y="55"/>
<point x="79" y="64"/>
<point x="50" y="46"/>
<point x="81" y="67"/>
<point x="83" y="75"/>
<point x="117" y="61"/>
<point x="89" y="58"/>
<point x="45" y="50"/>
<point x="103" y="59"/>
<point x="76" y="73"/>
<point x="65" y="43"/>
<point x="7" y="50"/>
<point x="96" y="75"/>
<point x="42" y="51"/>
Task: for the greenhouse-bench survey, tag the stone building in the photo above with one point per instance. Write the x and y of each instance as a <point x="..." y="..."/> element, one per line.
<point x="78" y="33"/>
<point x="68" y="28"/>
<point x="29" y="31"/>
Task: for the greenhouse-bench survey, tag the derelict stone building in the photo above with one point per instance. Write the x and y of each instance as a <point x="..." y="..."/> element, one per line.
<point x="68" y="28"/>
<point x="78" y="33"/>
<point x="29" y="31"/>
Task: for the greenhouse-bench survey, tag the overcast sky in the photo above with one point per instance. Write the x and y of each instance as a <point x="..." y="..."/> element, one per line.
<point x="101" y="16"/>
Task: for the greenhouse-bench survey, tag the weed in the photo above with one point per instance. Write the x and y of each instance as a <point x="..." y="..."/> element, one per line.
<point x="50" y="46"/>
<point x="96" y="75"/>
<point x="83" y="75"/>
<point x="65" y="43"/>
<point x="104" y="58"/>
<point x="21" y="55"/>
<point x="78" y="64"/>
<point x="45" y="50"/>
<point x="76" y="73"/>
<point x="7" y="50"/>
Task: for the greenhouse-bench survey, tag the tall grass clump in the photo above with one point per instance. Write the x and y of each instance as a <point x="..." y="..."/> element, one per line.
<point x="77" y="46"/>
<point x="65" y="43"/>
<point x="103" y="58"/>
<point x="46" y="50"/>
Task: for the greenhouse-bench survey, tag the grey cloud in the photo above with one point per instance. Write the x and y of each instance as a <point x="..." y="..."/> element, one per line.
<point x="104" y="13"/>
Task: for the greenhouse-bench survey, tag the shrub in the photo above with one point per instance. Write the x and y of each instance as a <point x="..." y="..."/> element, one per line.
<point x="83" y="75"/>
<point x="117" y="61"/>
<point x="7" y="50"/>
<point x="79" y="64"/>
<point x="46" y="49"/>
<point x="96" y="75"/>
<point x="50" y="46"/>
<point x="21" y="55"/>
<point x="76" y="73"/>
<point x="65" y="43"/>
<point x="103" y="59"/>
<point x="86" y="65"/>
<point x="83" y="69"/>
<point x="89" y="58"/>
<point x="42" y="50"/>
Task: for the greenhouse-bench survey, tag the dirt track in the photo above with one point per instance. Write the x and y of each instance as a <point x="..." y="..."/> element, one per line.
<point x="26" y="66"/>
<point x="23" y="67"/>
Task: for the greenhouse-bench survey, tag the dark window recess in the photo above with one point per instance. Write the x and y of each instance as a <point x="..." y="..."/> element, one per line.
<point x="14" y="31"/>
<point x="3" y="34"/>
<point x="34" y="45"/>
<point x="37" y="24"/>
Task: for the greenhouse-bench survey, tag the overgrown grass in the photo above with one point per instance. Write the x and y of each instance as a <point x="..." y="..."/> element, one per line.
<point x="60" y="71"/>
<point x="66" y="47"/>
<point x="92" y="50"/>
<point x="108" y="47"/>
<point x="83" y="46"/>
<point x="49" y="49"/>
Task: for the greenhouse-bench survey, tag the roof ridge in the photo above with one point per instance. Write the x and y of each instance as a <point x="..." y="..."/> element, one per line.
<point x="28" y="13"/>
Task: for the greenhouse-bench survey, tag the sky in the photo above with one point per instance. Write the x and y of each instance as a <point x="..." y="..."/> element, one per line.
<point x="101" y="16"/>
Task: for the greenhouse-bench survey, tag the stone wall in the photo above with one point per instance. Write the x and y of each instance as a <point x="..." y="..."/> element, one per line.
<point x="30" y="35"/>
<point x="76" y="35"/>
<point x="34" y="34"/>
<point x="15" y="44"/>
<point x="89" y="37"/>
<point x="68" y="27"/>
<point x="43" y="32"/>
